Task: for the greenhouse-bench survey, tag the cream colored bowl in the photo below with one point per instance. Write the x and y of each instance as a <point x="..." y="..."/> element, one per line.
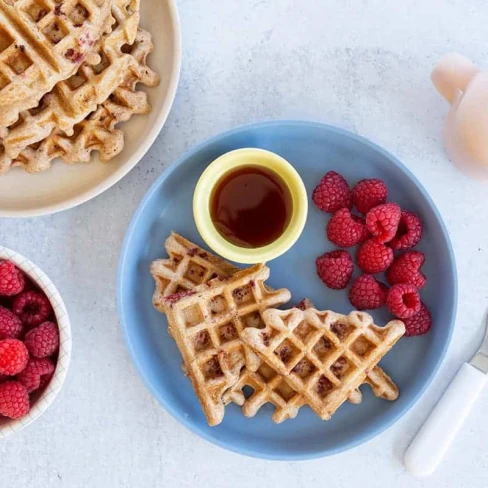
<point x="231" y="161"/>
<point x="65" y="186"/>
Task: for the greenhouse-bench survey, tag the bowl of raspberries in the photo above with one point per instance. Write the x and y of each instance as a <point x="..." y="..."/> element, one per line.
<point x="35" y="342"/>
<point x="376" y="236"/>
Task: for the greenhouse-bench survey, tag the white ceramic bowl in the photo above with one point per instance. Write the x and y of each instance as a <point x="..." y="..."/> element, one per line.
<point x="42" y="403"/>
<point x="65" y="186"/>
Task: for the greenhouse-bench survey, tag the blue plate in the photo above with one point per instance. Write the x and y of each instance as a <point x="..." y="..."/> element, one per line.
<point x="313" y="149"/>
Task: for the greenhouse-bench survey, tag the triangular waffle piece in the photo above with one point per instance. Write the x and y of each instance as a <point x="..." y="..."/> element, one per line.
<point x="98" y="131"/>
<point x="324" y="355"/>
<point x="381" y="384"/>
<point x="43" y="42"/>
<point x="187" y="267"/>
<point x="73" y="99"/>
<point x="207" y="324"/>
<point x="270" y="387"/>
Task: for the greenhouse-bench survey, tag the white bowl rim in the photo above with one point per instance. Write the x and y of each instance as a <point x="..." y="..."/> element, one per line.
<point x="145" y="145"/>
<point x="53" y="388"/>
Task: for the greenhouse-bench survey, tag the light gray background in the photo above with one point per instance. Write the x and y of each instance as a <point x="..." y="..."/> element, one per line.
<point x="363" y="65"/>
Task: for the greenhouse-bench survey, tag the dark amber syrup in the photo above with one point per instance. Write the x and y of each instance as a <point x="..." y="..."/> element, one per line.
<point x="251" y="206"/>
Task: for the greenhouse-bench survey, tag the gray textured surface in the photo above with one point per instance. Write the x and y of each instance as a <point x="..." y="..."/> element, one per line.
<point x="363" y="65"/>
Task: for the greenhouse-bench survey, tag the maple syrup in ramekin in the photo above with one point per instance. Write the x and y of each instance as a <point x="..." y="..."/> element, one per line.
<point x="251" y="206"/>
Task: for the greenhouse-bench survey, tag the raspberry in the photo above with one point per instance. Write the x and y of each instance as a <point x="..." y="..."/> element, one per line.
<point x="335" y="269"/>
<point x="382" y="221"/>
<point x="409" y="232"/>
<point x="367" y="294"/>
<point x="343" y="231"/>
<point x="37" y="374"/>
<point x="406" y="269"/>
<point x="10" y="324"/>
<point x="13" y="356"/>
<point x="374" y="257"/>
<point x="365" y="232"/>
<point x="420" y="323"/>
<point x="32" y="307"/>
<point x="403" y="301"/>
<point x="43" y="340"/>
<point x="332" y="193"/>
<point x="367" y="194"/>
<point x="11" y="279"/>
<point x="14" y="400"/>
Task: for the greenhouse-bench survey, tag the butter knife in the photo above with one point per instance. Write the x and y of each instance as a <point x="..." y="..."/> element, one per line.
<point x="426" y="451"/>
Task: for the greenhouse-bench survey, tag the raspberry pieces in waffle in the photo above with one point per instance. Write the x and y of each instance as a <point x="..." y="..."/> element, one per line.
<point x="43" y="42"/>
<point x="98" y="132"/>
<point x="207" y="324"/>
<point x="381" y="384"/>
<point x="187" y="267"/>
<point x="324" y="355"/>
<point x="73" y="99"/>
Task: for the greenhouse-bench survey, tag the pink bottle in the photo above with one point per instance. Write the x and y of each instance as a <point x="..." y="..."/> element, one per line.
<point x="465" y="87"/>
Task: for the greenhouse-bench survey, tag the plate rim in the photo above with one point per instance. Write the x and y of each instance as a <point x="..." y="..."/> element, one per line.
<point x="174" y="412"/>
<point x="140" y="152"/>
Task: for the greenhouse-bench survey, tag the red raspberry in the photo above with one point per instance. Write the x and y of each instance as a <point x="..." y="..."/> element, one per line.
<point x="332" y="193"/>
<point x="335" y="269"/>
<point x="409" y="232"/>
<point x="367" y="294"/>
<point x="403" y="301"/>
<point x="32" y="307"/>
<point x="365" y="232"/>
<point x="13" y="356"/>
<point x="343" y="231"/>
<point x="43" y="340"/>
<point x="10" y="324"/>
<point x="420" y="323"/>
<point x="14" y="400"/>
<point x="11" y="279"/>
<point x="382" y="221"/>
<point x="406" y="269"/>
<point x="368" y="194"/>
<point x="374" y="257"/>
<point x="37" y="374"/>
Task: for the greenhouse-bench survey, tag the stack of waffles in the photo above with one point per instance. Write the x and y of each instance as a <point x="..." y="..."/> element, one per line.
<point x="69" y="71"/>
<point x="234" y="339"/>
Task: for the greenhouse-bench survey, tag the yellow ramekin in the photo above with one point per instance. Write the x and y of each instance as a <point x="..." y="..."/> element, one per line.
<point x="231" y="161"/>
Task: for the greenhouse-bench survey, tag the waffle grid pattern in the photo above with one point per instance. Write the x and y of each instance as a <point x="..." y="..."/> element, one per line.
<point x="207" y="325"/>
<point x="98" y="131"/>
<point x="324" y="355"/>
<point x="267" y="387"/>
<point x="41" y="43"/>
<point x="73" y="99"/>
<point x="187" y="267"/>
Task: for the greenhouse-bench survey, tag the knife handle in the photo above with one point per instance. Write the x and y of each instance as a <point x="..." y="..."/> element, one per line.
<point x="435" y="436"/>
